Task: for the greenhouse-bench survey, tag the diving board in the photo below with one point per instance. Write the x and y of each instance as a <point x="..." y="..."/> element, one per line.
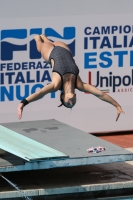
<point x="68" y="147"/>
<point x="25" y="147"/>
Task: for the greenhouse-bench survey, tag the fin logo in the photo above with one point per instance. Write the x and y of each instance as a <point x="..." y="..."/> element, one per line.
<point x="16" y="40"/>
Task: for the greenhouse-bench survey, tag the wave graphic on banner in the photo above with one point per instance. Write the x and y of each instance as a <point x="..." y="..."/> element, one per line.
<point x="68" y="36"/>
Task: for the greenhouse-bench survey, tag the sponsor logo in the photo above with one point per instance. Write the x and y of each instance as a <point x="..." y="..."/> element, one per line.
<point x="110" y="56"/>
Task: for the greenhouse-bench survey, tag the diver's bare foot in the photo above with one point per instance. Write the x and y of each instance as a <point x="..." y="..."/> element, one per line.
<point x="43" y="37"/>
<point x="37" y="37"/>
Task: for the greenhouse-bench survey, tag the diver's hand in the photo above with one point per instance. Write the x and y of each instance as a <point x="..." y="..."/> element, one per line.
<point x="119" y="111"/>
<point x="20" y="110"/>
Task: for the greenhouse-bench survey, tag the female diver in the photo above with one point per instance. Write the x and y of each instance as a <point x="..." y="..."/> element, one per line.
<point x="65" y="77"/>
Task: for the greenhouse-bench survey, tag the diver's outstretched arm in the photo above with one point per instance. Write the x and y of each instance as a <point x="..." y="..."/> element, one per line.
<point x="36" y="96"/>
<point x="84" y="87"/>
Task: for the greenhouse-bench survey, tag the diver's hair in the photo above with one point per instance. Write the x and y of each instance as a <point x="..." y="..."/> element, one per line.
<point x="61" y="99"/>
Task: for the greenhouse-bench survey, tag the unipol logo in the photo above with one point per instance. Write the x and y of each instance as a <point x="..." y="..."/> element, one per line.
<point x="16" y="40"/>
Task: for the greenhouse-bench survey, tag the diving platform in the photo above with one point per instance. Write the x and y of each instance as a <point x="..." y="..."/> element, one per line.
<point x="25" y="147"/>
<point x="45" y="144"/>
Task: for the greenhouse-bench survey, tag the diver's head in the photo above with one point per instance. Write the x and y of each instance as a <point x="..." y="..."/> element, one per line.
<point x="68" y="96"/>
<point x="68" y="99"/>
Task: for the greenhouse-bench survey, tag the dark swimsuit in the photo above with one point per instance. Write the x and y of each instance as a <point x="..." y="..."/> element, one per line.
<point x="63" y="62"/>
